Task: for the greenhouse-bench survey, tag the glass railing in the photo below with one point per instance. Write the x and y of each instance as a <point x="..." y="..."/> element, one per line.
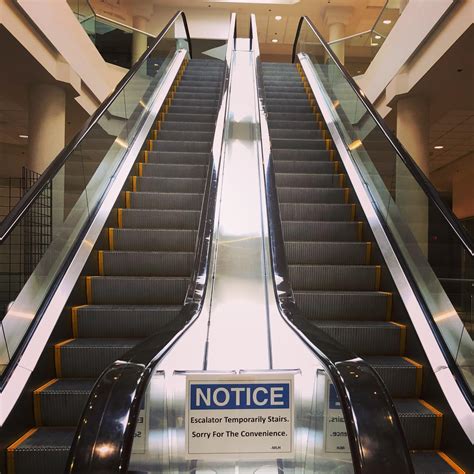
<point x="433" y="246"/>
<point x="361" y="48"/>
<point x="75" y="185"/>
<point x="117" y="43"/>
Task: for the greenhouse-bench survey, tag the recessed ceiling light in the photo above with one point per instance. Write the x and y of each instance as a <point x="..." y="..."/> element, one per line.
<point x="375" y="44"/>
<point x="387" y="22"/>
<point x="278" y="18"/>
<point x="23" y="136"/>
<point x="438" y="147"/>
<point x="274" y="40"/>
<point x="358" y="72"/>
<point x="377" y="37"/>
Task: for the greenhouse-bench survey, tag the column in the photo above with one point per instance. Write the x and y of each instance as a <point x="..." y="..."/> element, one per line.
<point x="337" y="31"/>
<point x="46" y="132"/>
<point x="337" y="18"/>
<point x="413" y="133"/>
<point x="46" y="124"/>
<point x="139" y="40"/>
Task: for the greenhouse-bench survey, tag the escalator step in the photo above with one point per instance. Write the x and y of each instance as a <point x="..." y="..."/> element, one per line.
<point x="296" y="134"/>
<point x="344" y="305"/>
<point x="121" y="321"/>
<point x="367" y="337"/>
<point x="322" y="231"/>
<point x="163" y="201"/>
<point x="145" y="263"/>
<point x="302" y="155"/>
<point x="313" y="195"/>
<point x="401" y="376"/>
<point x="421" y="423"/>
<point x="158" y="219"/>
<point x="167" y="170"/>
<point x="324" y="253"/>
<point x="168" y="185"/>
<point x="136" y="290"/>
<point x="317" y="212"/>
<point x="84" y="358"/>
<point x="194" y="126"/>
<point x="172" y="145"/>
<point x="324" y="167"/>
<point x="306" y="144"/>
<point x="41" y="450"/>
<point x="185" y="135"/>
<point x="173" y="157"/>
<point x="428" y="462"/>
<point x="335" y="277"/>
<point x="305" y="180"/>
<point x="60" y="402"/>
<point x="200" y="117"/>
<point x="152" y="239"/>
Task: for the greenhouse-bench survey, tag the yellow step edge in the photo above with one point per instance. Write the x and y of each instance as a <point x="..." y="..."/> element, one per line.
<point x="378" y="277"/>
<point x="74" y="310"/>
<point x="111" y="238"/>
<point x="419" y="375"/>
<point x="140" y="169"/>
<point x="328" y="143"/>
<point x="37" y="401"/>
<point x="145" y="156"/>
<point x="438" y="422"/>
<point x="100" y="262"/>
<point x="12" y="447"/>
<point x="128" y="197"/>
<point x="389" y="295"/>
<point x="89" y="289"/>
<point x="403" y="336"/>
<point x="119" y="217"/>
<point x="360" y="229"/>
<point x="353" y="212"/>
<point x="134" y="183"/>
<point x="57" y="356"/>
<point x="368" y="252"/>
<point x="150" y="145"/>
<point x="449" y="461"/>
<point x="346" y="195"/>
<point x="342" y="178"/>
<point x="331" y="156"/>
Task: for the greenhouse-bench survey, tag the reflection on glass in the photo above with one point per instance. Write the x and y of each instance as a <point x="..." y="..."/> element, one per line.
<point x="51" y="227"/>
<point x="442" y="268"/>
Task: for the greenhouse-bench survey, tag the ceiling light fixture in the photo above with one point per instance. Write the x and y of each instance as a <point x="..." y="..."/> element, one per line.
<point x="377" y="37"/>
<point x="274" y="40"/>
<point x="278" y="18"/>
<point x="22" y="136"/>
<point x="375" y="44"/>
<point x="438" y="147"/>
<point x="387" y="22"/>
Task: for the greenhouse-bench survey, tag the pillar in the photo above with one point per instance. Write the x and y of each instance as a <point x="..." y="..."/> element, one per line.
<point x="139" y="40"/>
<point x="337" y="18"/>
<point x="413" y="133"/>
<point x="46" y="124"/>
<point x="46" y="132"/>
<point x="337" y="31"/>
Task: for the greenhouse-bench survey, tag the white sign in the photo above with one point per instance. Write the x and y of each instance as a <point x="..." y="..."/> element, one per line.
<point x="239" y="416"/>
<point x="336" y="431"/>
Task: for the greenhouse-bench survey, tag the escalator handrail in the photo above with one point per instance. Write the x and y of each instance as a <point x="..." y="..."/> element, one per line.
<point x="114" y="403"/>
<point x="453" y="222"/>
<point x="355" y="381"/>
<point x="24" y="204"/>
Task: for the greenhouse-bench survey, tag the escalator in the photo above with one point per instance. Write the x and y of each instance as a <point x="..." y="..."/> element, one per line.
<point x="138" y="273"/>
<point x="334" y="267"/>
<point x="140" y="269"/>
<point x="339" y="271"/>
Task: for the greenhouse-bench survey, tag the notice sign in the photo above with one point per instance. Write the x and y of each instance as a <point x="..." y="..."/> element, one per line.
<point x="336" y="431"/>
<point x="239" y="416"/>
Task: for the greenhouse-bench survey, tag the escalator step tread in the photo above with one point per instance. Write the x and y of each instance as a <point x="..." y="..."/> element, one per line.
<point x="168" y="201"/>
<point x="429" y="462"/>
<point x="122" y="321"/>
<point x="158" y="218"/>
<point x="153" y="239"/>
<point x="352" y="253"/>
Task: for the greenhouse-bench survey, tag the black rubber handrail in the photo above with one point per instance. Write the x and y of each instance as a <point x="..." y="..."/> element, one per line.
<point x="111" y="413"/>
<point x="461" y="233"/>
<point x="375" y="435"/>
<point x="25" y="203"/>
